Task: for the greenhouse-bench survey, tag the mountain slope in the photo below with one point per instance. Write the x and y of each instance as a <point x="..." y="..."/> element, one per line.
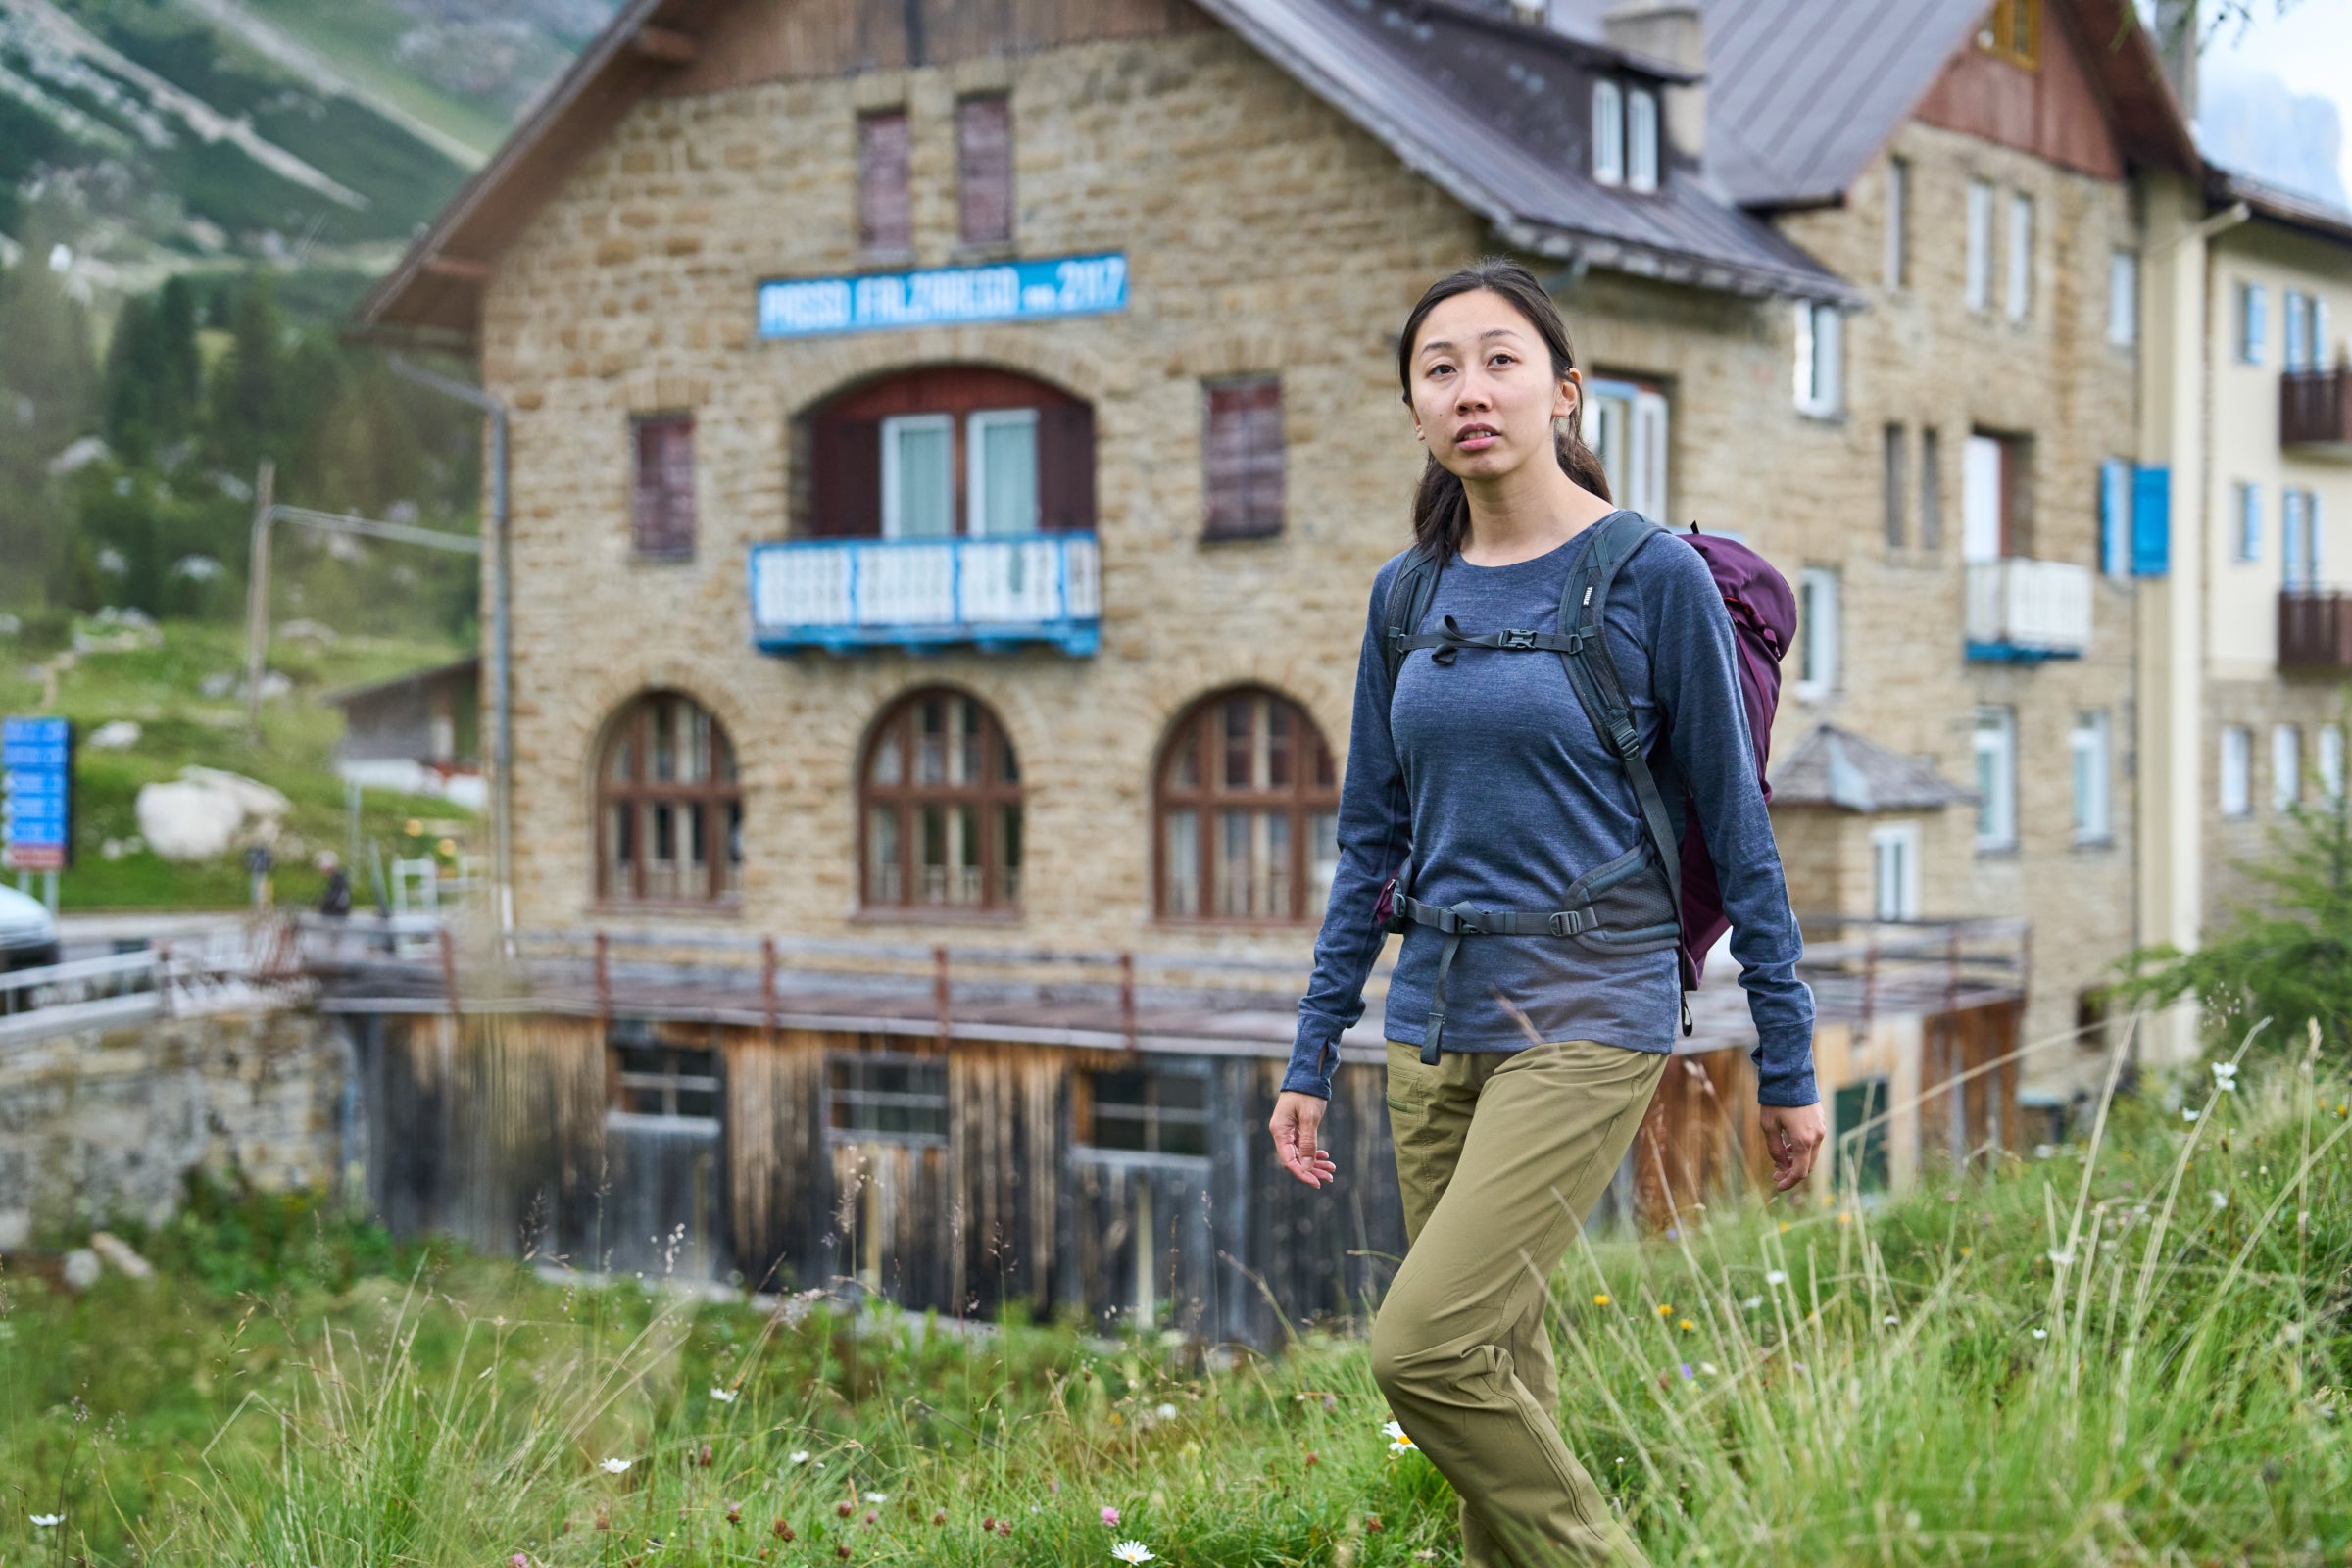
<point x="160" y="135"/>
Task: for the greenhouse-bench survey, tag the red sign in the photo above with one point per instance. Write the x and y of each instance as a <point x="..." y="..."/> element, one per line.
<point x="34" y="858"/>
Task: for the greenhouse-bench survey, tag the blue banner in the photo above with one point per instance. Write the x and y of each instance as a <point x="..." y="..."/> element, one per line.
<point x="36" y="768"/>
<point x="1002" y="291"/>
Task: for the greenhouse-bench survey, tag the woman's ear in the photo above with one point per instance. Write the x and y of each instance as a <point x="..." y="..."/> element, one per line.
<point x="1569" y="397"/>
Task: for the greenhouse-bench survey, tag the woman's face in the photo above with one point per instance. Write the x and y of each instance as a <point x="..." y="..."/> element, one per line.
<point x="1483" y="397"/>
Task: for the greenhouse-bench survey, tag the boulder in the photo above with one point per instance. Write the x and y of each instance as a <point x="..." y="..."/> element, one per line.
<point x="205" y="812"/>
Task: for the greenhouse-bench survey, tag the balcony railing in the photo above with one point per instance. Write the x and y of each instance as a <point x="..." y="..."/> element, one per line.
<point x="2314" y="411"/>
<point x="2022" y="609"/>
<point x="840" y="594"/>
<point x="2314" y="629"/>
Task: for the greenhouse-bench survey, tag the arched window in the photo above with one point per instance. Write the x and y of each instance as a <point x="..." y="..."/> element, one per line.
<point x="943" y="451"/>
<point x="939" y="807"/>
<point x="1247" y="812"/>
<point x="668" y="809"/>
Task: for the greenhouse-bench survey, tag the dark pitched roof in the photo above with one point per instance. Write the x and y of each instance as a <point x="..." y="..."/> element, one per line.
<point x="1476" y="104"/>
<point x="1471" y="100"/>
<point x="1833" y="766"/>
<point x="1791" y="122"/>
<point x="2225" y="186"/>
<point x="468" y="668"/>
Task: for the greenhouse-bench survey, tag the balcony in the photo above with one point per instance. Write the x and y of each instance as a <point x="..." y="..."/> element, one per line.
<point x="990" y="592"/>
<point x="2315" y="412"/>
<point x="2023" y="611"/>
<point x="2314" y="629"/>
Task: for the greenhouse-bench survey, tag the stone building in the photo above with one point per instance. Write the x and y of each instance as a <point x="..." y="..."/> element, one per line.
<point x="950" y="446"/>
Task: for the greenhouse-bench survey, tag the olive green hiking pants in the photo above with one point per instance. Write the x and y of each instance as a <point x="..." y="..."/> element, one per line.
<point x="1500" y="1158"/>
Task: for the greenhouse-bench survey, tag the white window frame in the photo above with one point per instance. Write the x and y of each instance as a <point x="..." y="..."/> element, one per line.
<point x="1979" y="280"/>
<point x="2018" y="291"/>
<point x="2123" y="299"/>
<point x="2234" y="784"/>
<point x="892" y="486"/>
<point x="1820" y="378"/>
<point x="2249" y="521"/>
<point x="2329" y="761"/>
<point x="1820" y="632"/>
<point x="1898" y="222"/>
<point x="1984" y="481"/>
<point x="2253" y="328"/>
<point x="2090" y="746"/>
<point x="2287" y="768"/>
<point x="975" y="446"/>
<point x="1608" y="133"/>
<point x="1625" y="424"/>
<point x="1994" y="741"/>
<point x="1641" y="139"/>
<point x="1894" y="871"/>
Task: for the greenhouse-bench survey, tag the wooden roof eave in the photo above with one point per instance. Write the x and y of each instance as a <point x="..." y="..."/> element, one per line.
<point x="437" y="285"/>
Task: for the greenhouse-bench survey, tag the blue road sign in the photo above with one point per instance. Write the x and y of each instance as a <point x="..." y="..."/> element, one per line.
<point x="36" y="792"/>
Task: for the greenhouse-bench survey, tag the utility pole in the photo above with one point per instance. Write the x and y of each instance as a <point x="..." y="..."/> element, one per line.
<point x="257" y="595"/>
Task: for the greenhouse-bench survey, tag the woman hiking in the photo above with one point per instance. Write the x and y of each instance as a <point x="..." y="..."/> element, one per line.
<point x="1539" y="990"/>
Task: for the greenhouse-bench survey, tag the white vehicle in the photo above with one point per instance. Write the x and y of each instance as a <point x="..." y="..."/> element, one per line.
<point x="28" y="934"/>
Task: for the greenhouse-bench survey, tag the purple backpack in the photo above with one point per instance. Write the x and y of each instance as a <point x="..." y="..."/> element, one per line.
<point x="1763" y="614"/>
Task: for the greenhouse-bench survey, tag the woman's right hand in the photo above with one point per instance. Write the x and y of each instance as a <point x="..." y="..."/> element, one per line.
<point x="1297" y="1119"/>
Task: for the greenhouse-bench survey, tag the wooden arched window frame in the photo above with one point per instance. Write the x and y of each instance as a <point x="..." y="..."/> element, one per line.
<point x="1246" y="811"/>
<point x="668" y="806"/>
<point x="859" y="449"/>
<point x="939" y="807"/>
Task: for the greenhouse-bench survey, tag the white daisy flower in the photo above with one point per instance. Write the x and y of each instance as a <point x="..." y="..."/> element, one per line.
<point x="723" y="1396"/>
<point x="877" y="1497"/>
<point x="2041" y="1334"/>
<point x="44" y="1521"/>
<point x="800" y="1457"/>
<point x="617" y="1467"/>
<point x="2221" y="1199"/>
<point x="1130" y="1551"/>
<point x="2225" y="1077"/>
<point x="1775" y="1277"/>
<point x="2187" y="1114"/>
<point x="1398" y="1442"/>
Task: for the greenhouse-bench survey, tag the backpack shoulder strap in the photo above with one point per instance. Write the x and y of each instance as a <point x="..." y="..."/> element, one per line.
<point x="1592" y="672"/>
<point x="1409" y="596"/>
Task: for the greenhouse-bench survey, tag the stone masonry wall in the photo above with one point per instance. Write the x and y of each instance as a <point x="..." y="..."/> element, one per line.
<point x="1920" y="358"/>
<point x="108" y="1124"/>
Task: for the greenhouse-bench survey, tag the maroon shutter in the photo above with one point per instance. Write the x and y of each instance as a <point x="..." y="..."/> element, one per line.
<point x="845" y="478"/>
<point x="1242" y="460"/>
<point x="1066" y="468"/>
<point x="662" y="521"/>
<point x="984" y="167"/>
<point x="885" y="220"/>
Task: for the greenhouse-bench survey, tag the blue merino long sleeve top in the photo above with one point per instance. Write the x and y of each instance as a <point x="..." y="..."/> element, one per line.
<point x="1487" y="772"/>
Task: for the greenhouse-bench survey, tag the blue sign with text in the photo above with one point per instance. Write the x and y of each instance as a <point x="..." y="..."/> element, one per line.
<point x="36" y="767"/>
<point x="1000" y="291"/>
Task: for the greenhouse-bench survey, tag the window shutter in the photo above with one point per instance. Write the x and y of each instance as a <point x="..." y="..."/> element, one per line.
<point x="2319" y="538"/>
<point x="885" y="219"/>
<point x="2291" y="525"/>
<point x="1242" y="454"/>
<point x="2151" y="521"/>
<point x="1805" y="351"/>
<point x="2319" y="360"/>
<point x="1066" y="468"/>
<point x="984" y="164"/>
<point x="845" y="478"/>
<point x="2298" y="331"/>
<point x="662" y="521"/>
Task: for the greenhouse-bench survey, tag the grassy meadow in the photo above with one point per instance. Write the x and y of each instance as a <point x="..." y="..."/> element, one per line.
<point x="2130" y="1351"/>
<point x="161" y="689"/>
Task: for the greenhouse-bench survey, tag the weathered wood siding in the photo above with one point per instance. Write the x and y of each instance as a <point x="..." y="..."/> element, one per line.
<point x="801" y="40"/>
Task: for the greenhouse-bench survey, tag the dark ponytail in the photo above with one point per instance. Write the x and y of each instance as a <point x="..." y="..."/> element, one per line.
<point x="1441" y="511"/>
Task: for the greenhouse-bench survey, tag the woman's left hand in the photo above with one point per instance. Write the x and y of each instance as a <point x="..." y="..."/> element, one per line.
<point x="1793" y="1134"/>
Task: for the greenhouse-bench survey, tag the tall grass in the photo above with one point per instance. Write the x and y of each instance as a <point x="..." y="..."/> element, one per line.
<point x="2132" y="1352"/>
